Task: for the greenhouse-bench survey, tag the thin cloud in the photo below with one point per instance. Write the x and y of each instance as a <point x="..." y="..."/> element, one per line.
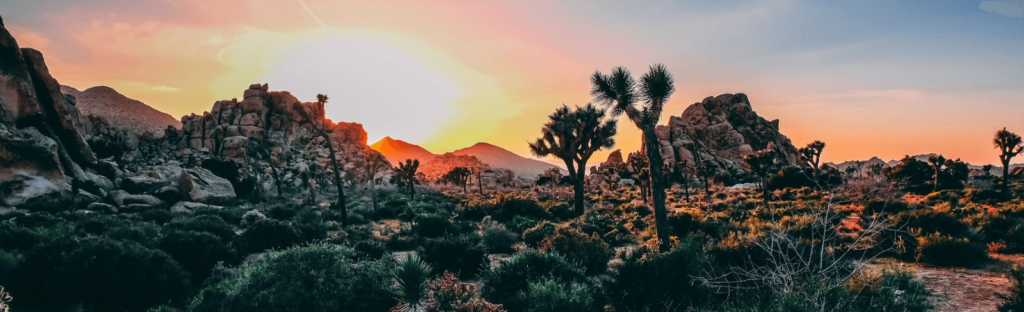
<point x="1011" y="9"/>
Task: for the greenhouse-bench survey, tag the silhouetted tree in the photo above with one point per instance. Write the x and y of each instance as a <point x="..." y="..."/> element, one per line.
<point x="811" y="155"/>
<point x="912" y="174"/>
<point x="937" y="161"/>
<point x="638" y="162"/>
<point x="458" y="176"/>
<point x="376" y="164"/>
<point x="321" y="127"/>
<point x="406" y="176"/>
<point x="574" y="136"/>
<point x="762" y="164"/>
<point x="620" y="92"/>
<point x="1009" y="145"/>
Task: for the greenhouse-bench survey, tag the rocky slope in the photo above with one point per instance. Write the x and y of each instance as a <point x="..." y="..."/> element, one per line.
<point x="398" y="151"/>
<point x="120" y="111"/>
<point x="722" y="129"/>
<point x="498" y="157"/>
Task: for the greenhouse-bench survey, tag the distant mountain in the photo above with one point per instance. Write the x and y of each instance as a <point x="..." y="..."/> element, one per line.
<point x="120" y="111"/>
<point x="397" y="151"/>
<point x="498" y="157"/>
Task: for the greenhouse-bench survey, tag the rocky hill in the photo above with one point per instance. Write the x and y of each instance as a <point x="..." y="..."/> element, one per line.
<point x="120" y="111"/>
<point x="722" y="129"/>
<point x="398" y="151"/>
<point x="498" y="157"/>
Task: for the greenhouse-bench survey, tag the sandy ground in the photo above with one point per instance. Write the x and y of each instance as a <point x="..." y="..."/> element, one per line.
<point x="967" y="290"/>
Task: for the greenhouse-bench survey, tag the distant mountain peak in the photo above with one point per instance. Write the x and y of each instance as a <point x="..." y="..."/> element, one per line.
<point x="119" y="110"/>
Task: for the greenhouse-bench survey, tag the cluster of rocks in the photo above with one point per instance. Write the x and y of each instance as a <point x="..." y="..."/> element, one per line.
<point x="722" y="129"/>
<point x="490" y="177"/>
<point x="48" y="163"/>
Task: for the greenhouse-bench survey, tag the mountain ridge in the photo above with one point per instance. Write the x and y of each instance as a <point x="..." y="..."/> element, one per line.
<point x="495" y="156"/>
<point x="119" y="110"/>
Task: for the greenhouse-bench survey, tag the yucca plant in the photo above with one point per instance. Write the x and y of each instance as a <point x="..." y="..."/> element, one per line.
<point x="412" y="276"/>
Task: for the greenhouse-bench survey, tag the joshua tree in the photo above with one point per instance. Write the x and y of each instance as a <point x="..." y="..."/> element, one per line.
<point x="936" y="162"/>
<point x="638" y="161"/>
<point x="375" y="165"/>
<point x="683" y="172"/>
<point x="1009" y="145"/>
<point x="620" y="92"/>
<point x="457" y="176"/>
<point x="811" y="155"/>
<point x="574" y="136"/>
<point x="320" y="125"/>
<point x="761" y="164"/>
<point x="405" y="175"/>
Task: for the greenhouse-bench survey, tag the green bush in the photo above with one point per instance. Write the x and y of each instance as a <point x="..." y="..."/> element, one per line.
<point x="660" y="282"/>
<point x="100" y="273"/>
<point x="157" y="216"/>
<point x="552" y="295"/>
<point x="269" y="234"/>
<point x="520" y="224"/>
<point x="498" y="239"/>
<point x="944" y="250"/>
<point x="930" y="221"/>
<point x="509" y="283"/>
<point x="144" y="233"/>
<point x="559" y="209"/>
<point x="459" y="254"/>
<point x="508" y="205"/>
<point x="197" y="252"/>
<point x="15" y="237"/>
<point x="434" y="225"/>
<point x="538" y="233"/>
<point x="1014" y="301"/>
<point x="7" y="263"/>
<point x="318" y="278"/>
<point x="588" y="251"/>
<point x="282" y="212"/>
<point x="205" y="223"/>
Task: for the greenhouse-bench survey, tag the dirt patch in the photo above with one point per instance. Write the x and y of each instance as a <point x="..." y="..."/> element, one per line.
<point x="963" y="290"/>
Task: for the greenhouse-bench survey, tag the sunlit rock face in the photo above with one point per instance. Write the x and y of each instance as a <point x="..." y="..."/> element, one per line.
<point x="42" y="149"/>
<point x="270" y="128"/>
<point x="725" y="128"/>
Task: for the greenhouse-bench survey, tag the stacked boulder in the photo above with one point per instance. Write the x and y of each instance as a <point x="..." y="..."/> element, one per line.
<point x="722" y="129"/>
<point x="45" y="160"/>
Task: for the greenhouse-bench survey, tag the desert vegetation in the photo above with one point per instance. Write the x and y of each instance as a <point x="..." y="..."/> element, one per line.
<point x="266" y="205"/>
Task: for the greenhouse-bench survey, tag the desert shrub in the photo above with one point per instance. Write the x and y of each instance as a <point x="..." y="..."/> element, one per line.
<point x="370" y="248"/>
<point x="1014" y="301"/>
<point x="310" y="225"/>
<point x="101" y="273"/>
<point x="318" y="277"/>
<point x="282" y="212"/>
<point x="538" y="233"/>
<point x="887" y="207"/>
<point x="434" y="225"/>
<point x="558" y="209"/>
<point x="509" y="283"/>
<point x="931" y="220"/>
<point x="15" y="237"/>
<point x="912" y="175"/>
<point x="459" y="254"/>
<point x="791" y="177"/>
<point x="553" y="295"/>
<point x="7" y="263"/>
<point x="497" y="239"/>
<point x="392" y="205"/>
<point x="508" y="205"/>
<point x="520" y="224"/>
<point x="892" y="291"/>
<point x="981" y="196"/>
<point x="449" y="294"/>
<point x="943" y="196"/>
<point x="412" y="276"/>
<point x="205" y="223"/>
<point x="588" y="251"/>
<point x="659" y="282"/>
<point x="944" y="250"/>
<point x="251" y="216"/>
<point x="596" y="222"/>
<point x="197" y="252"/>
<point x="269" y="234"/>
<point x="144" y="233"/>
<point x="474" y="210"/>
<point x="157" y="216"/>
<point x="230" y="215"/>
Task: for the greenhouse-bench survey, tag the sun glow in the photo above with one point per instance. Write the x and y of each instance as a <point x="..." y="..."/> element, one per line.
<point x="370" y="81"/>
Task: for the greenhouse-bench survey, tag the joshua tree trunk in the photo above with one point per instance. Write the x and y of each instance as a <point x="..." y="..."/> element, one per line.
<point x="936" y="179"/>
<point x="464" y="191"/>
<point x="643" y="191"/>
<point x="578" y="189"/>
<point x="337" y="181"/>
<point x="480" y="182"/>
<point x="657" y="187"/>
<point x="1006" y="179"/>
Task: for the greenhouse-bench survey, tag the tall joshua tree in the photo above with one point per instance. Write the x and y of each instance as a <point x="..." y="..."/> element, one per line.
<point x="761" y="164"/>
<point x="405" y="175"/>
<point x="936" y="162"/>
<point x="318" y="120"/>
<point x="1009" y="145"/>
<point x="458" y="176"/>
<point x="574" y="136"/>
<point x="621" y="93"/>
<point x="811" y="155"/>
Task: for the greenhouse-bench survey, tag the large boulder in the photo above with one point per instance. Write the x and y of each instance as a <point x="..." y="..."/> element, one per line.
<point x="201" y="185"/>
<point x="31" y="176"/>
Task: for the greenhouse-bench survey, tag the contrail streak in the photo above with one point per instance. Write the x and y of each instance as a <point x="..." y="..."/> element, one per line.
<point x="316" y="18"/>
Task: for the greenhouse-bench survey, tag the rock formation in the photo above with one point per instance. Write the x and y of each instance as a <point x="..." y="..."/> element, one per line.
<point x="722" y="129"/>
<point x="121" y="112"/>
<point x="44" y="158"/>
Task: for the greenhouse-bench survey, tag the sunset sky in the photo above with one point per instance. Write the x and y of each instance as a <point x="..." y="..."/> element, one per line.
<point x="870" y="78"/>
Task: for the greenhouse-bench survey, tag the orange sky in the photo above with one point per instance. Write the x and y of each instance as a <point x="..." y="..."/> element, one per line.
<point x="447" y="74"/>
